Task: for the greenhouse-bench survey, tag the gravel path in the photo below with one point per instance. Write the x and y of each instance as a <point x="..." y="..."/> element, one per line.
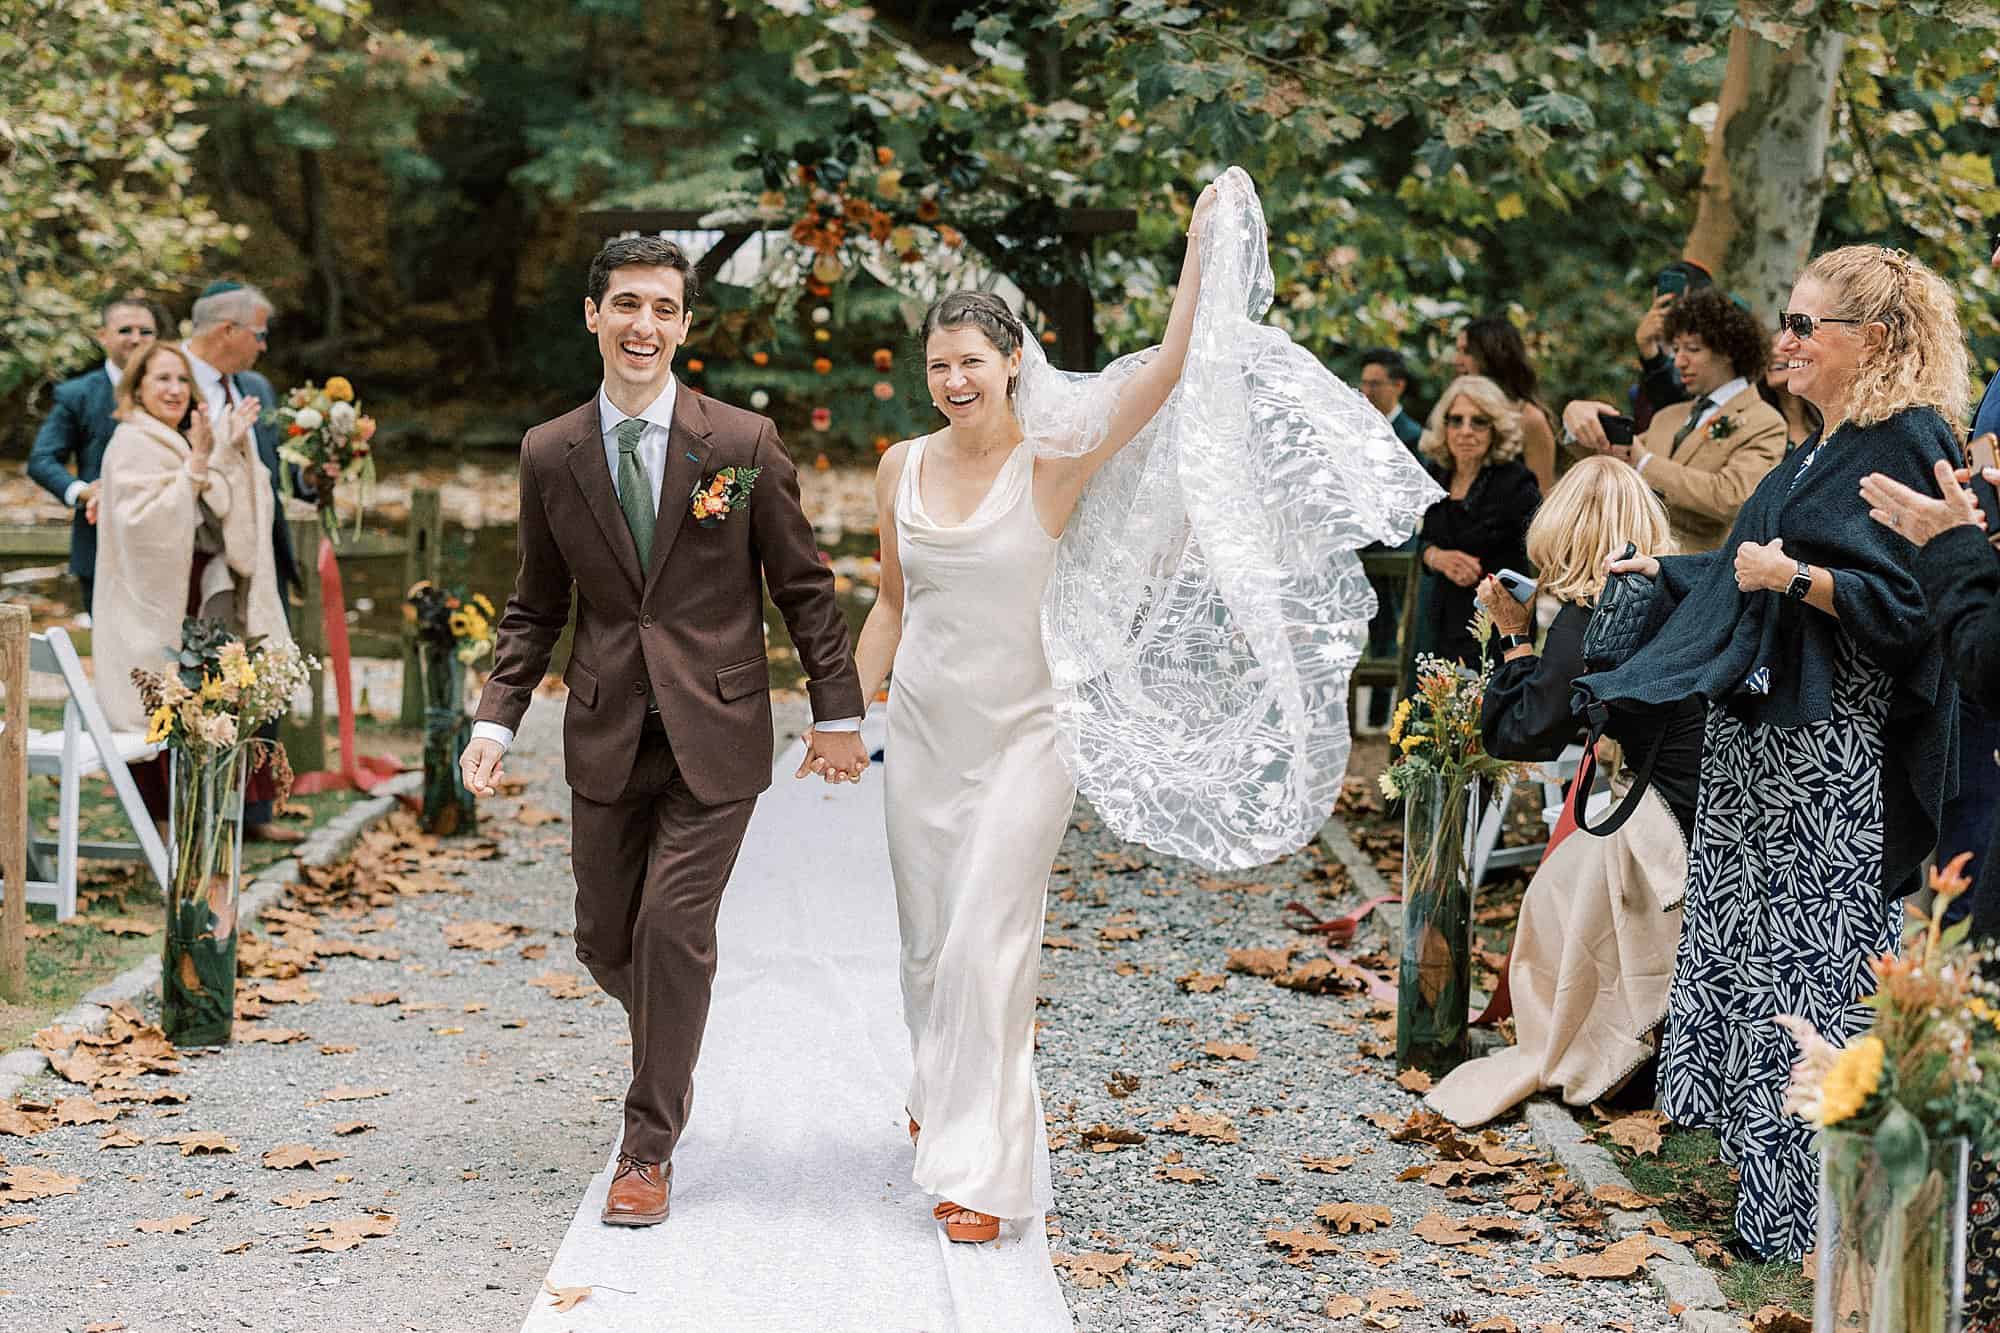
<point x="1292" y="1076"/>
<point x="502" y="1096"/>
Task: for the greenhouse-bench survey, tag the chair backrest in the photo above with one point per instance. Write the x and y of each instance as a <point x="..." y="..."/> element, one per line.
<point x="55" y="649"/>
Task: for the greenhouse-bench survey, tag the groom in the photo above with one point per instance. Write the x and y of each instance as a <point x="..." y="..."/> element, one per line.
<point x="660" y="509"/>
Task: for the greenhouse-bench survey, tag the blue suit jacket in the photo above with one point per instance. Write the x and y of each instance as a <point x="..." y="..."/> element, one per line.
<point x="73" y="435"/>
<point x="1988" y="416"/>
<point x="253" y="385"/>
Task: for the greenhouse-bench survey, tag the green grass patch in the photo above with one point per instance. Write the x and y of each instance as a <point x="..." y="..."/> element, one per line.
<point x="1697" y="1193"/>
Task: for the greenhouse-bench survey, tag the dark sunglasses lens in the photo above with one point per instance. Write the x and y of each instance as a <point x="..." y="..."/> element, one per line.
<point x="1800" y="326"/>
<point x="1479" y="422"/>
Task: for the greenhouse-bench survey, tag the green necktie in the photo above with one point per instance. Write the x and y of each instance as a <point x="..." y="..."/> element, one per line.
<point x="635" y="489"/>
<point x="1701" y="405"/>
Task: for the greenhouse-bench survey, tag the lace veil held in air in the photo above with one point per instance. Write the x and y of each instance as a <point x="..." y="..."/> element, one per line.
<point x="1207" y="604"/>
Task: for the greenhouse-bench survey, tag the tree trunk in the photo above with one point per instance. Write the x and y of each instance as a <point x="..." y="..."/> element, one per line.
<point x="320" y="242"/>
<point x="1765" y="177"/>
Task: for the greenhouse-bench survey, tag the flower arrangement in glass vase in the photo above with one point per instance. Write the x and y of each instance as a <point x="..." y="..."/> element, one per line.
<point x="326" y="440"/>
<point x="1899" y="1109"/>
<point x="207" y="711"/>
<point x="1438" y="764"/>
<point x="453" y="632"/>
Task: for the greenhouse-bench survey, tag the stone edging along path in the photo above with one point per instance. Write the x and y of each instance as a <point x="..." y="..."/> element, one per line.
<point x="322" y="846"/>
<point x="1689" y="1287"/>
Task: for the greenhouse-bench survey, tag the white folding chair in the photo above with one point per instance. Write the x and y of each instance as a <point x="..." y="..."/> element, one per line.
<point x="1487" y="852"/>
<point x="66" y="754"/>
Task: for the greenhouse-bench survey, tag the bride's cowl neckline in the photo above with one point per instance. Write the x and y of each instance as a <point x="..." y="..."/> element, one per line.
<point x="1001" y="496"/>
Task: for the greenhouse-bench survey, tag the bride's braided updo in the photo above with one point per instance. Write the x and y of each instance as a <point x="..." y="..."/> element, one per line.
<point x="976" y="310"/>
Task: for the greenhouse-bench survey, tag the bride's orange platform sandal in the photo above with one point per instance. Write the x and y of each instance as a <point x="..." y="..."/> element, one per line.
<point x="971" y="1233"/>
<point x="914" y="1128"/>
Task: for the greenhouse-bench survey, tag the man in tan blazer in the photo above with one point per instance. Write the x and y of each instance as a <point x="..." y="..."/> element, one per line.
<point x="1703" y="457"/>
<point x="665" y="514"/>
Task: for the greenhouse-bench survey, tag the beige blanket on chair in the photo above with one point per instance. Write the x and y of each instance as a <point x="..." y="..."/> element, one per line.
<point x="148" y="512"/>
<point x="1593" y="960"/>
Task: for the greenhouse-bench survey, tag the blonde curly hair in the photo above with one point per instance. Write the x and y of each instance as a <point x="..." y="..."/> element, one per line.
<point x="1491" y="400"/>
<point x="1922" y="361"/>
<point x="1598" y="506"/>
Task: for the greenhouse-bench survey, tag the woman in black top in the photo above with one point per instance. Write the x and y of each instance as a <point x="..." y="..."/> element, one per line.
<point x="1473" y="446"/>
<point x="1593" y="950"/>
<point x="1831" y="725"/>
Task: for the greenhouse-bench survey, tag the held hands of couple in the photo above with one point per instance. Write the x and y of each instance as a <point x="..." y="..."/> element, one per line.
<point x="1918" y="517"/>
<point x="837" y="756"/>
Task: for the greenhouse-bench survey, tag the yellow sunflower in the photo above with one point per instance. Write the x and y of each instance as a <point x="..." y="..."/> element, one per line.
<point x="1855" y="1076"/>
<point x="161" y="726"/>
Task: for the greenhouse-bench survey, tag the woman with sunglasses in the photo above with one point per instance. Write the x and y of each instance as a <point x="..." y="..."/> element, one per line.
<point x="1473" y="446"/>
<point x="1831" y="724"/>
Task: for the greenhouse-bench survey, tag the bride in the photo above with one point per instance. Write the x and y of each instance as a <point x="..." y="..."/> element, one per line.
<point x="1139" y="583"/>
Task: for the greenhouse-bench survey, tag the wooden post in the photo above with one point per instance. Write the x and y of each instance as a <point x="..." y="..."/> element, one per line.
<point x="305" y="737"/>
<point x="423" y="558"/>
<point x="14" y="803"/>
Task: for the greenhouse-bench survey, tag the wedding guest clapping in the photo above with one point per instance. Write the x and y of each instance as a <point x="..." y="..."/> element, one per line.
<point x="184" y="524"/>
<point x="1473" y="444"/>
<point x="1593" y="949"/>
<point x="1831" y="723"/>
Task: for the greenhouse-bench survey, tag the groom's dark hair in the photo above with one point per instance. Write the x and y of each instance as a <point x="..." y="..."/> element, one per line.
<point x="642" y="252"/>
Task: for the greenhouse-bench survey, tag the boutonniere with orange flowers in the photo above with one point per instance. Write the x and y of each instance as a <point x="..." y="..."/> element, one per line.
<point x="1722" y="428"/>
<point x="714" y="499"/>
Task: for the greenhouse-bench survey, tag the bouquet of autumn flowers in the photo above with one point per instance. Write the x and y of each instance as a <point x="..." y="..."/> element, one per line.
<point x="451" y="620"/>
<point x="222" y="690"/>
<point x="1890" y="1105"/>
<point x="326" y="440"/>
<point x="1436" y="730"/>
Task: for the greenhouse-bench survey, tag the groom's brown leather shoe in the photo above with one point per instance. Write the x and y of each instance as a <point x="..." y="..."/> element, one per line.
<point x="638" y="1196"/>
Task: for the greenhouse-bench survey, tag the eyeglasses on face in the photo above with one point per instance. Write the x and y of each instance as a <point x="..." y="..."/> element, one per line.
<point x="1802" y="326"/>
<point x="263" y="336"/>
<point x="1455" y="421"/>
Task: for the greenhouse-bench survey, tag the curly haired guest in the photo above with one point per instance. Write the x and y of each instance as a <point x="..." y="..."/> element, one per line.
<point x="1473" y="448"/>
<point x="1703" y="457"/>
<point x="1832" y="724"/>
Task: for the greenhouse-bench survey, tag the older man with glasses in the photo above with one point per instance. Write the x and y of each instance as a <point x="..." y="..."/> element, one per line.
<point x="231" y="326"/>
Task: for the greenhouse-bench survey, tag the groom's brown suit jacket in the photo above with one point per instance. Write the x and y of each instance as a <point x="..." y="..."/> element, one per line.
<point x="687" y="633"/>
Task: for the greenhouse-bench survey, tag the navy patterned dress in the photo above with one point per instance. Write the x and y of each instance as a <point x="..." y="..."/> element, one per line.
<point x="1784" y="909"/>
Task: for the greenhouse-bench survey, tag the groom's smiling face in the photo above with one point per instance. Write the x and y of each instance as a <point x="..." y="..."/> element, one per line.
<point x="641" y="323"/>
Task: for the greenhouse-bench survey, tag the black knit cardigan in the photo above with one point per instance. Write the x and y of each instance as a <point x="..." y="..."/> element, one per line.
<point x="1717" y="636"/>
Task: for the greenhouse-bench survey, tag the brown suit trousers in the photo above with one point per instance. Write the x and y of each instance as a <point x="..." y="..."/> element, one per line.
<point x="667" y="733"/>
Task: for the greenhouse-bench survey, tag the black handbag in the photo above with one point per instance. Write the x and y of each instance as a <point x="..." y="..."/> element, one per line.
<point x="1629" y="613"/>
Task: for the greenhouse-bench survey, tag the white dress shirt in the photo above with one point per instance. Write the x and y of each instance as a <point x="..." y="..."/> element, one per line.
<point x="215" y="396"/>
<point x="652" y="451"/>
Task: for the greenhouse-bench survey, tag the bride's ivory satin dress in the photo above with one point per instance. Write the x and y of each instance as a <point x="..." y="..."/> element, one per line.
<point x="978" y="800"/>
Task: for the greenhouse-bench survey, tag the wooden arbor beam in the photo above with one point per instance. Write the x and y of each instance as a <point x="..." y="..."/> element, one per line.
<point x="1068" y="303"/>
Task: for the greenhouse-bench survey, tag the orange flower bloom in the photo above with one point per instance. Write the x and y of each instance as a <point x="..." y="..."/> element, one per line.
<point x="885" y="156"/>
<point x="858" y="210"/>
<point x="696" y="366"/>
<point x="950" y="236"/>
<point x="822" y="366"/>
<point x="927" y="211"/>
<point x="884" y="358"/>
<point x="760" y="358"/>
<point x="880" y="227"/>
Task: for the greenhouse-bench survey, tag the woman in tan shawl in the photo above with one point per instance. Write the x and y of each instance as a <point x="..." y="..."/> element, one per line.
<point x="1594" y="948"/>
<point x="184" y="529"/>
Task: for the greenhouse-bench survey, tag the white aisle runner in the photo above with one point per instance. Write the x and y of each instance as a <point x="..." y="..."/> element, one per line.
<point x="792" y="1202"/>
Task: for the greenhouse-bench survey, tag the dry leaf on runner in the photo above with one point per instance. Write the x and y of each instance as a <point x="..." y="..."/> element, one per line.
<point x="14" y="1120"/>
<point x="1214" y="1127"/>
<point x="125" y="925"/>
<point x="1186" y="1175"/>
<point x="291" y="1156"/>
<point x="1347" y="1218"/>
<point x="18" y="1220"/>
<point x="562" y="1298"/>
<point x="1229" y="1050"/>
<point x="177" y="1225"/>
<point x="1166" y="1254"/>
<point x="534" y="816"/>
<point x="1392" y="1298"/>
<point x="1198" y="983"/>
<point x="1110" y="1138"/>
<point x="1626" y="1259"/>
<point x="344" y="1093"/>
<point x="1777" y="1319"/>
<point x="347" y="1127"/>
<point x="302" y="1197"/>
<point x="1498" y="1323"/>
<point x="1345" y="1307"/>
<point x="273" y="1036"/>
<point x="564" y="985"/>
<point x="118" y="1138"/>
<point x="1416" y="1080"/>
<point x="1262" y="962"/>
<point x="376" y="998"/>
